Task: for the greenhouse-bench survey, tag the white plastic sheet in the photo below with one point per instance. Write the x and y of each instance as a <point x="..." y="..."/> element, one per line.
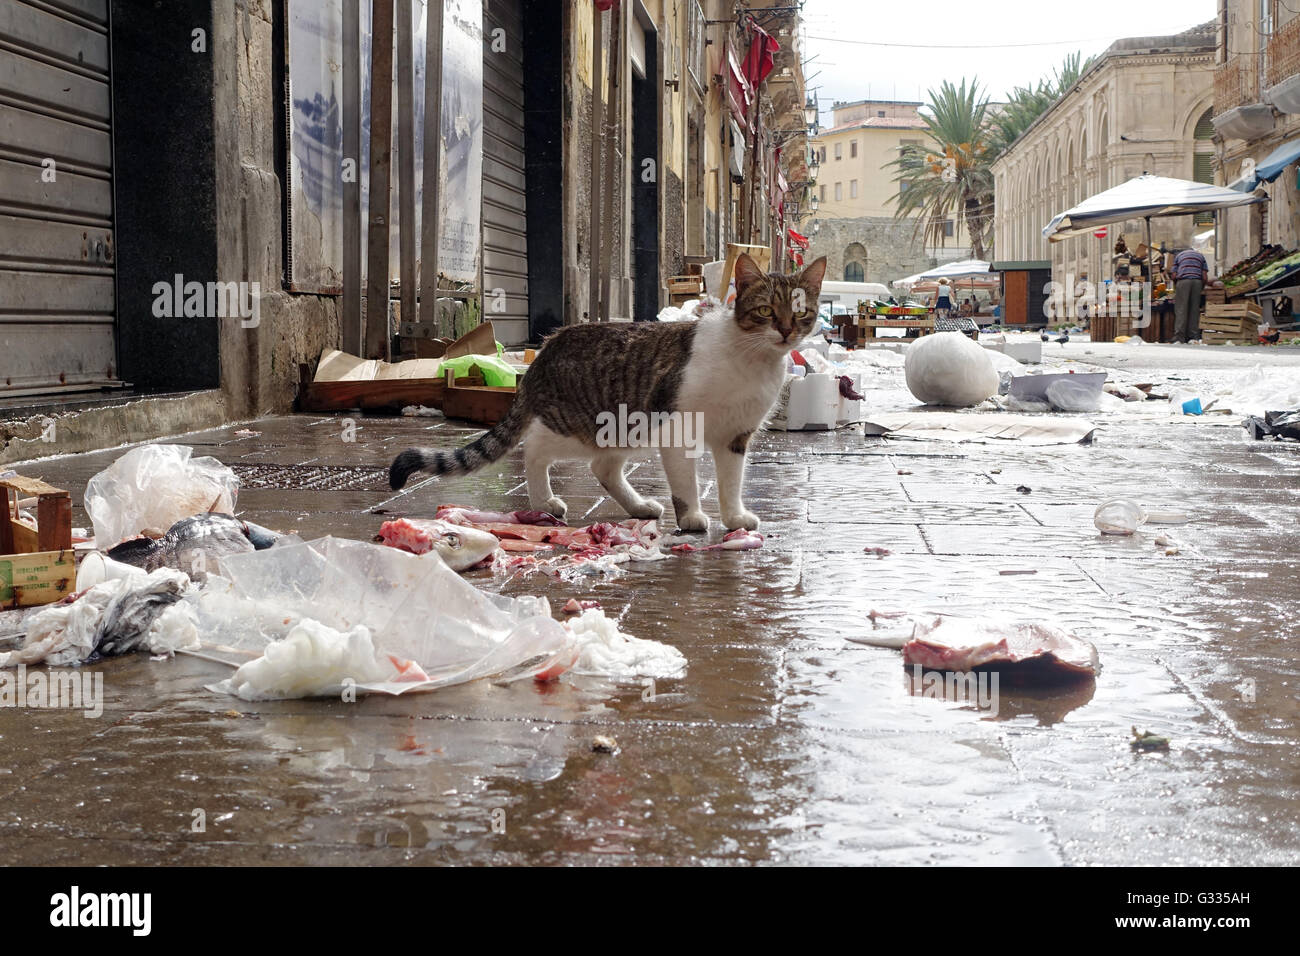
<point x="414" y="608"/>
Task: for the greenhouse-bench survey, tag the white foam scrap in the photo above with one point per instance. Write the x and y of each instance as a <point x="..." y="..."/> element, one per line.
<point x="312" y="660"/>
<point x="606" y="651"/>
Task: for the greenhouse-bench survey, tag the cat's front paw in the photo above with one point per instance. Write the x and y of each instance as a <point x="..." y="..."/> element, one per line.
<point x="741" y="519"/>
<point x="647" y="509"/>
<point x="693" y="521"/>
<point x="557" y="507"/>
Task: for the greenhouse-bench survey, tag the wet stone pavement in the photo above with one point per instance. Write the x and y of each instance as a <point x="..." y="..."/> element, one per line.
<point x="785" y="742"/>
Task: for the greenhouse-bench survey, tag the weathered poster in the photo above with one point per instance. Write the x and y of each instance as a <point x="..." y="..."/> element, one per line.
<point x="317" y="166"/>
<point x="461" y="195"/>
<point x="316" y="144"/>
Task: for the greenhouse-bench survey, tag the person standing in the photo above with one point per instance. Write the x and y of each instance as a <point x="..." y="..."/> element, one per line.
<point x="1190" y="273"/>
<point x="943" y="304"/>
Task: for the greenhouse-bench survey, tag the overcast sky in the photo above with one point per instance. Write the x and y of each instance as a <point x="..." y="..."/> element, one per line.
<point x="978" y="32"/>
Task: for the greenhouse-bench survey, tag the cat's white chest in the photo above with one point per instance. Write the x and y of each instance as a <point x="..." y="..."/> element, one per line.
<point x="730" y="386"/>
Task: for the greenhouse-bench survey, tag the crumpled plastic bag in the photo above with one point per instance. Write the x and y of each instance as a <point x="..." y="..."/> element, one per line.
<point x="416" y="609"/>
<point x="152" y="487"/>
<point x="496" y="370"/>
<point x="947" y="368"/>
<point x="1259" y="391"/>
<point x="604" y="650"/>
<point x="1069" y="396"/>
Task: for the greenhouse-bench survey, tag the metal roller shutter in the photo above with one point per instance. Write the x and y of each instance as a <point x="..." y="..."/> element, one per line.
<point x="505" y="238"/>
<point x="56" y="197"/>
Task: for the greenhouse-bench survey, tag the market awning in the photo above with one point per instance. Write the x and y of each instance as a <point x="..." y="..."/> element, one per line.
<point x="1272" y="165"/>
<point x="955" y="270"/>
<point x="1143" y="197"/>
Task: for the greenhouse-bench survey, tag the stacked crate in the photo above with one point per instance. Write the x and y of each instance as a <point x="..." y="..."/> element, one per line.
<point x="1236" y="322"/>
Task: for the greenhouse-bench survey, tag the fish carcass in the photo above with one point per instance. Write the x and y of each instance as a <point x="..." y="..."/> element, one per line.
<point x="1035" y="651"/>
<point x="194" y="545"/>
<point x="460" y="546"/>
<point x="539" y="531"/>
<point x="738" y="540"/>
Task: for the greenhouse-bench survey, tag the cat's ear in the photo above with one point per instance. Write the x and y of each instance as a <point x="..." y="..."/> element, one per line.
<point x="747" y="271"/>
<point x="813" y="273"/>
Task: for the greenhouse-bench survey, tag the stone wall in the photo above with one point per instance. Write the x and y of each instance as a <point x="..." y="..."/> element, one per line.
<point x="894" y="250"/>
<point x="259" y="365"/>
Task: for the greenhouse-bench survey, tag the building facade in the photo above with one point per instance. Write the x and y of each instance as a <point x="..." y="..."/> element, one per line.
<point x="205" y="140"/>
<point x="854" y="225"/>
<point x="1143" y="106"/>
<point x="1257" y="109"/>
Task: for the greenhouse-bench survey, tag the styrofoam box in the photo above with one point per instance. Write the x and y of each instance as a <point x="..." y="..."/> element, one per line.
<point x="1027" y="352"/>
<point x="814" y="402"/>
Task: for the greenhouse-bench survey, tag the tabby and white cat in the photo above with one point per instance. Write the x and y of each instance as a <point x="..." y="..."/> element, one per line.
<point x="727" y="366"/>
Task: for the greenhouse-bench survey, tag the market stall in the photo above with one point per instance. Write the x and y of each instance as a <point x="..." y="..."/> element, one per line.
<point x="1144" y="197"/>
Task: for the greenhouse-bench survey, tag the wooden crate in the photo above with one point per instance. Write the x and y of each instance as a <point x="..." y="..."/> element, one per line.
<point x="1233" y="310"/>
<point x="1219" y="338"/>
<point x="43" y="577"/>
<point x="1102" y="328"/>
<point x="760" y="254"/>
<point x="52" y="529"/>
<point x="1244" y="327"/>
<point x="1237" y="291"/>
<point x="481" y="404"/>
<point x="869" y="324"/>
<point x="693" y="285"/>
<point x="37" y="563"/>
<point x="1215" y="297"/>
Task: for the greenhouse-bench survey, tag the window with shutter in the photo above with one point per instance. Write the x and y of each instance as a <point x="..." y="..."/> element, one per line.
<point x="1203" y="161"/>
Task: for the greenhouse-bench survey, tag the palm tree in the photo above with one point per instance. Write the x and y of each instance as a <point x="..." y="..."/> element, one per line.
<point x="953" y="172"/>
<point x="950" y="173"/>
<point x="1026" y="103"/>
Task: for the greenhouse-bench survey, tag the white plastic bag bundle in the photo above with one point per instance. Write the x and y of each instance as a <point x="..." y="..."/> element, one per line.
<point x="1070" y="396"/>
<point x="63" y="634"/>
<point x="154" y="486"/>
<point x="947" y="368"/>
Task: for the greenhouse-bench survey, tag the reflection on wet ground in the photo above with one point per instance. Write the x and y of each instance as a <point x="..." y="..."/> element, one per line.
<point x="785" y="741"/>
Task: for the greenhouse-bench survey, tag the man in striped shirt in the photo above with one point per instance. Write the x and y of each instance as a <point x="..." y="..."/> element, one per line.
<point x="1190" y="272"/>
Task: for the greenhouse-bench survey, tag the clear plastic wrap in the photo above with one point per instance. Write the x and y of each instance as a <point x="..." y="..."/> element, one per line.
<point x="414" y="607"/>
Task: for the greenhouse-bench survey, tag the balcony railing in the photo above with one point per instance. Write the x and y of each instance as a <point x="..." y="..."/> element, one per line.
<point x="1236" y="83"/>
<point x="1284" y="53"/>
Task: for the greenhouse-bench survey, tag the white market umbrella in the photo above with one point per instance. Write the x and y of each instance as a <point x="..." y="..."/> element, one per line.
<point x="960" y="269"/>
<point x="1143" y="197"/>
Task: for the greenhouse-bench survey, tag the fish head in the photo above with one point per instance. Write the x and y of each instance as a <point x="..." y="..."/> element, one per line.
<point x="463" y="547"/>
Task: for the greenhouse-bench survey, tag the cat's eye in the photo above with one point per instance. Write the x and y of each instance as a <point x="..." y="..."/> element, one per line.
<point x="765" y="311"/>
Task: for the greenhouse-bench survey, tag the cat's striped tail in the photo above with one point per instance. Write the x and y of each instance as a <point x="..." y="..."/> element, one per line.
<point x="487" y="448"/>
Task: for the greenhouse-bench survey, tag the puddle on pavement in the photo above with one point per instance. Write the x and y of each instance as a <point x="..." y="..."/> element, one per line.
<point x="784" y="741"/>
